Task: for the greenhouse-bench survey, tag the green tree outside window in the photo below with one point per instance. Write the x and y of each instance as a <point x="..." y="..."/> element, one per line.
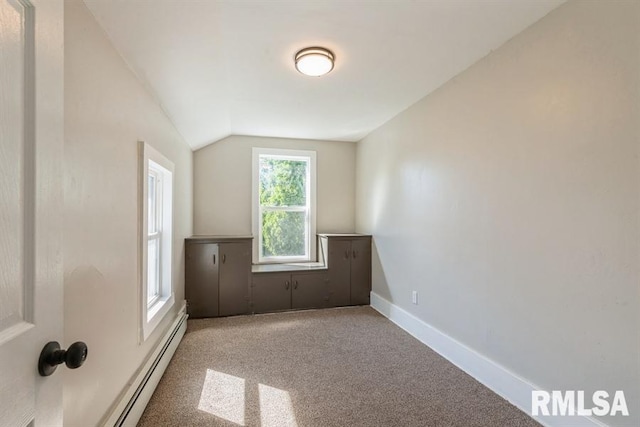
<point x="283" y="199"/>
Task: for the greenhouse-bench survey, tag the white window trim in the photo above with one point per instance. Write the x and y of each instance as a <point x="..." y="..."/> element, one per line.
<point x="157" y="235"/>
<point x="255" y="204"/>
<point x="152" y="315"/>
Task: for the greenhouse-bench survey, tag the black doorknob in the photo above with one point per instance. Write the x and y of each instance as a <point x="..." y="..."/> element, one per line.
<point x="51" y="356"/>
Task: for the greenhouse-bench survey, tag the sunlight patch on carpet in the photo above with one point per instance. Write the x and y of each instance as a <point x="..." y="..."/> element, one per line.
<point x="276" y="409"/>
<point x="223" y="396"/>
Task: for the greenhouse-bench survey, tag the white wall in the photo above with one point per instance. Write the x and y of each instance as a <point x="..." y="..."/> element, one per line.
<point x="509" y="199"/>
<point x="222" y="184"/>
<point x="106" y="112"/>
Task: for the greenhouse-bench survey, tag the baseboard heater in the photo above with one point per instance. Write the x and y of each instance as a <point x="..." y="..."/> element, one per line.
<point x="135" y="399"/>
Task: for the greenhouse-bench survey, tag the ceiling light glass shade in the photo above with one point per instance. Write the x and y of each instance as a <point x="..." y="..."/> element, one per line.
<point x="314" y="61"/>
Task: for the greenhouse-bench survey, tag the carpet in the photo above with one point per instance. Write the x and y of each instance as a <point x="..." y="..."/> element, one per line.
<point x="338" y="367"/>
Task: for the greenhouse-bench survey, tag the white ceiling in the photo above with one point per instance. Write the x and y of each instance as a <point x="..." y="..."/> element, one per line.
<point x="226" y="67"/>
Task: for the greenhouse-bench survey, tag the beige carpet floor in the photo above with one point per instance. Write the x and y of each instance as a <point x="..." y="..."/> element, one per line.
<point x="339" y="367"/>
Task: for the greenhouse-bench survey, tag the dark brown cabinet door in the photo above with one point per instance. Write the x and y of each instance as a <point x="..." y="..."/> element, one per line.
<point x="201" y="279"/>
<point x="339" y="261"/>
<point x="235" y="275"/>
<point x="271" y="292"/>
<point x="360" y="271"/>
<point x="309" y="290"/>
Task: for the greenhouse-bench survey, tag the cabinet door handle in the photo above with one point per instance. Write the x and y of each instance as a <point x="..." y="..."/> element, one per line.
<point x="224" y="258"/>
<point x="354" y="254"/>
<point x="286" y="285"/>
<point x="214" y="259"/>
<point x="346" y="254"/>
<point x="295" y="284"/>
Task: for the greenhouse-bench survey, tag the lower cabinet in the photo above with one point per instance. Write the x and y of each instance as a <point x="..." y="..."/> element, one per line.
<point x="348" y="258"/>
<point x="270" y="292"/>
<point x="286" y="291"/>
<point x="219" y="280"/>
<point x="217" y="276"/>
<point x="235" y="275"/>
<point x="201" y="276"/>
<point x="309" y="290"/>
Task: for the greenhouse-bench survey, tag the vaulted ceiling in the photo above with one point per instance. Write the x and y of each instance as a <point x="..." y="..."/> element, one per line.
<point x="226" y="67"/>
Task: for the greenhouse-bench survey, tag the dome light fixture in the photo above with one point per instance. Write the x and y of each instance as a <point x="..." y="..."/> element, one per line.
<point x="314" y="61"/>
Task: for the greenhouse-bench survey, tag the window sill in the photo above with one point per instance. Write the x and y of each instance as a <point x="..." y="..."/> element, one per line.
<point x="285" y="260"/>
<point x="155" y="314"/>
<point x="291" y="266"/>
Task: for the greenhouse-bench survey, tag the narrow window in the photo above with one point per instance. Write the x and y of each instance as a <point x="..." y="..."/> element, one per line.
<point x="154" y="235"/>
<point x="284" y="205"/>
<point x="156" y="286"/>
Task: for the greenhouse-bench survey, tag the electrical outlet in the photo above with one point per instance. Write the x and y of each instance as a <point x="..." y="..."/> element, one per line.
<point x="414" y="297"/>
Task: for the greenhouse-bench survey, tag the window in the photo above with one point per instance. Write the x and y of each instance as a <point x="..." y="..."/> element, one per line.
<point x="284" y="195"/>
<point x="156" y="236"/>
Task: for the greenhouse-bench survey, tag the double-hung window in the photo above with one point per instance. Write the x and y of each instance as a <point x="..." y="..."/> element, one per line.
<point x="156" y="241"/>
<point x="284" y="194"/>
<point x="154" y="233"/>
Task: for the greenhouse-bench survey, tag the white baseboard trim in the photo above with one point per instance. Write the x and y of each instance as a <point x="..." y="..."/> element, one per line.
<point x="134" y="400"/>
<point x="503" y="382"/>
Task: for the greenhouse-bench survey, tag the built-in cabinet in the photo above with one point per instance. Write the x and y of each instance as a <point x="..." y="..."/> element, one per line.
<point x="202" y="279"/>
<point x="286" y="291"/>
<point x="235" y="276"/>
<point x="348" y="258"/>
<point x="219" y="280"/>
<point x="217" y="276"/>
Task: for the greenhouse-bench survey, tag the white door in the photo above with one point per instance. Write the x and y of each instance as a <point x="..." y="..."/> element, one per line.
<point x="31" y="137"/>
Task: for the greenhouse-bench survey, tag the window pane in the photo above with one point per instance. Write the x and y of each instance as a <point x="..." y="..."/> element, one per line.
<point x="151" y="204"/>
<point x="283" y="233"/>
<point x="153" y="269"/>
<point x="283" y="182"/>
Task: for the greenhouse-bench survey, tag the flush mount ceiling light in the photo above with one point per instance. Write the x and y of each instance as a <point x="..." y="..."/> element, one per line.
<point x="314" y="61"/>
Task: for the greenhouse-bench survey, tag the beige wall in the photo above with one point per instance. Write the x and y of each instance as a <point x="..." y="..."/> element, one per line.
<point x="509" y="199"/>
<point x="222" y="184"/>
<point x="106" y="112"/>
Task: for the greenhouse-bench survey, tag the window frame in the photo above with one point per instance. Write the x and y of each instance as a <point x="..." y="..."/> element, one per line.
<point x="157" y="235"/>
<point x="153" y="310"/>
<point x="257" y="209"/>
